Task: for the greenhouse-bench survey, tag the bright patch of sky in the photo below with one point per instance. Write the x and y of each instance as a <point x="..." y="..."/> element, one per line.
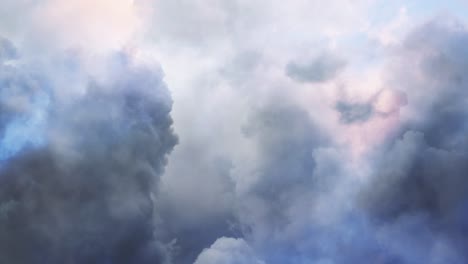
<point x="25" y="131"/>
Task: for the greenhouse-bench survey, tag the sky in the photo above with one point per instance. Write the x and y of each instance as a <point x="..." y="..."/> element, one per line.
<point x="233" y="131"/>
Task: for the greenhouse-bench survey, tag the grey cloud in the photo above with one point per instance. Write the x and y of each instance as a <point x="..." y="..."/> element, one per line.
<point x="285" y="137"/>
<point x="354" y="112"/>
<point x="302" y="204"/>
<point x="321" y="68"/>
<point x="288" y="181"/>
<point x="426" y="186"/>
<point x="197" y="195"/>
<point x="439" y="50"/>
<point x="242" y="67"/>
<point x="420" y="175"/>
<point x="196" y="201"/>
<point x="90" y="191"/>
<point x="86" y="194"/>
<point x="412" y="209"/>
<point x="385" y="103"/>
<point x="298" y="208"/>
<point x="7" y="50"/>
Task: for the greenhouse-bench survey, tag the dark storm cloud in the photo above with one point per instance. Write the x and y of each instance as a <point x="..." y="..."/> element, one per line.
<point x="422" y="174"/>
<point x="87" y="194"/>
<point x="415" y="177"/>
<point x="439" y="48"/>
<point x="440" y="136"/>
<point x="319" y="69"/>
<point x="354" y="112"/>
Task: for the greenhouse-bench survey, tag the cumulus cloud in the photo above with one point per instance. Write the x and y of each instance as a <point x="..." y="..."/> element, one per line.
<point x="295" y="208"/>
<point x="228" y="251"/>
<point x="419" y="176"/>
<point x="284" y="168"/>
<point x="367" y="167"/>
<point x="295" y="188"/>
<point x="85" y="192"/>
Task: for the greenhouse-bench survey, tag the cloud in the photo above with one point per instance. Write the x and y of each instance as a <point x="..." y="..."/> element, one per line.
<point x="228" y="251"/>
<point x="367" y="168"/>
<point x="294" y="197"/>
<point x="284" y="138"/>
<point x="386" y="103"/>
<point x="306" y="198"/>
<point x="7" y="50"/>
<point x="419" y="175"/>
<point x="354" y="112"/>
<point x="119" y="21"/>
<point x="322" y="68"/>
<point x="23" y="104"/>
<point x="87" y="192"/>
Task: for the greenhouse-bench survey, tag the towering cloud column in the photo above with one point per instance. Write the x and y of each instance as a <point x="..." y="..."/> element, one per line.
<point x="79" y="171"/>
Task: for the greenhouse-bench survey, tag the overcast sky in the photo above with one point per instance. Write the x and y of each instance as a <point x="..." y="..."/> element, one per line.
<point x="233" y="131"/>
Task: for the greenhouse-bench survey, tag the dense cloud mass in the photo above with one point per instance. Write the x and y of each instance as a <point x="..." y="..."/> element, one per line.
<point x="84" y="192"/>
<point x="421" y="175"/>
<point x="279" y="133"/>
<point x="413" y="199"/>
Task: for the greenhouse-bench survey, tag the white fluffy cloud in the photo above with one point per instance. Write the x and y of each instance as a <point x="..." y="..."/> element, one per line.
<point x="228" y="251"/>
